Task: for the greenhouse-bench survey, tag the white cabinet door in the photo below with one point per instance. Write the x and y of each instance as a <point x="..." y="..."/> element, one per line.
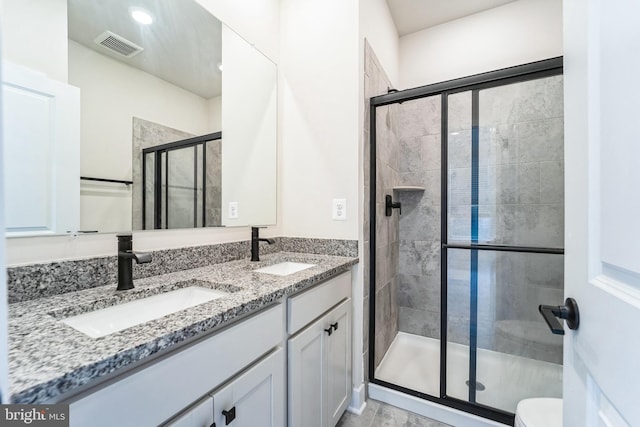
<point x="200" y="415"/>
<point x="320" y="370"/>
<point x="306" y="369"/>
<point x="255" y="398"/>
<point x="338" y="362"/>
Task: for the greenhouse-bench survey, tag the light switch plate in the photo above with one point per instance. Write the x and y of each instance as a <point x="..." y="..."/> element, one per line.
<point x="339" y="209"/>
<point x="233" y="210"/>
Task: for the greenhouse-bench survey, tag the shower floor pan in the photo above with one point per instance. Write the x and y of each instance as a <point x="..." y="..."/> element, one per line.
<point x="413" y="362"/>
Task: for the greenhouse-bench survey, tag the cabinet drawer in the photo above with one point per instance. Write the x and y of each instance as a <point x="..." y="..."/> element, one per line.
<point x="155" y="393"/>
<point x="311" y="304"/>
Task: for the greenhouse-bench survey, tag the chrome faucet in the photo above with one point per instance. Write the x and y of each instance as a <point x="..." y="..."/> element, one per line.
<point x="255" y="243"/>
<point x="125" y="261"/>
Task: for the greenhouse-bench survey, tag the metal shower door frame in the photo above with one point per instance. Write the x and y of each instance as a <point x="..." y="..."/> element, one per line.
<point x="475" y="83"/>
<point x="157" y="152"/>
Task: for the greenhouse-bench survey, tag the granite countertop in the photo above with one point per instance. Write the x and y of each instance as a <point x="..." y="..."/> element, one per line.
<point x="47" y="358"/>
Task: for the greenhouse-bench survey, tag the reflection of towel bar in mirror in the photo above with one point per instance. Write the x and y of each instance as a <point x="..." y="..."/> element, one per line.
<point x="115" y="181"/>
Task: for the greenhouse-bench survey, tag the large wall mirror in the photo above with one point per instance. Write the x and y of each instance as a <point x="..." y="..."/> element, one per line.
<point x="112" y="124"/>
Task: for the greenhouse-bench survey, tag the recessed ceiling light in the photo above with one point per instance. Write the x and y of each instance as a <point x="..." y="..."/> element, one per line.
<point x="220" y="66"/>
<point x="140" y="15"/>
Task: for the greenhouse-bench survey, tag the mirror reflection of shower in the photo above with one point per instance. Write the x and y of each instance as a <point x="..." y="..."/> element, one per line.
<point x="181" y="184"/>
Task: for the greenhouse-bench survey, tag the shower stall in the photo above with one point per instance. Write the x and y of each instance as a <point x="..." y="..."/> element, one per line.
<point x="181" y="183"/>
<point x="466" y="239"/>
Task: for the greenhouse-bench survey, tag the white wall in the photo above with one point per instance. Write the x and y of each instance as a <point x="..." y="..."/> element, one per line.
<point x="112" y="93"/>
<point x="513" y="34"/>
<point x="318" y="94"/>
<point x="376" y="25"/>
<point x="36" y="35"/>
<point x="257" y="21"/>
<point x="215" y="113"/>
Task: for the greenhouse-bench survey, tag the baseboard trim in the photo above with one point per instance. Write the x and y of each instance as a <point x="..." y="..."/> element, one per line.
<point x="358" y="400"/>
<point x="432" y="410"/>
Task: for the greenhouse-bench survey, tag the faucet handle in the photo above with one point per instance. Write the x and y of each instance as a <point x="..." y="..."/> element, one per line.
<point x="141" y="257"/>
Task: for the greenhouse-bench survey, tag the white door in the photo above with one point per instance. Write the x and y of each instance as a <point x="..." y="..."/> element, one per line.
<point x="41" y="134"/>
<point x="602" y="270"/>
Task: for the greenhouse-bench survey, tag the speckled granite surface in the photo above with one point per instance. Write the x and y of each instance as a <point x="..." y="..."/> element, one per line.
<point x="335" y="247"/>
<point x="48" y="358"/>
<point x="47" y="279"/>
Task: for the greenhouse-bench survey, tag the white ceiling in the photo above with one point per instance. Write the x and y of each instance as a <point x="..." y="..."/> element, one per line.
<point x="415" y="15"/>
<point x="182" y="45"/>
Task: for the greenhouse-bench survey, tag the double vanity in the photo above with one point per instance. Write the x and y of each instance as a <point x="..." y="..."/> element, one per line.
<point x="237" y="343"/>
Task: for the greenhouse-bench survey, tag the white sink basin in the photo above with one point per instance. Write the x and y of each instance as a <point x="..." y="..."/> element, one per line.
<point x="108" y="320"/>
<point x="284" y="268"/>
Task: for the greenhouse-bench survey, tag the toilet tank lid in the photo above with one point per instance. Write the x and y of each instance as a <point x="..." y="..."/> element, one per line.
<point x="540" y="412"/>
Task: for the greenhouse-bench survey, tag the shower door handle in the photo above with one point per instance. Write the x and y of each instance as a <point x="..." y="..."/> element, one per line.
<point x="569" y="312"/>
<point x="390" y="205"/>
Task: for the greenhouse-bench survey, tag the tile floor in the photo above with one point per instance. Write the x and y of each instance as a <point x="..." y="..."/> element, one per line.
<point x="378" y="414"/>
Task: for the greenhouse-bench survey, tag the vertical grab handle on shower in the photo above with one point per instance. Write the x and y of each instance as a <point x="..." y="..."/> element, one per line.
<point x="389" y="205"/>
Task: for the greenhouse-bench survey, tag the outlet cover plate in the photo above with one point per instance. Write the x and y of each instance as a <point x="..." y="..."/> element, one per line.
<point x="233" y="210"/>
<point x="339" y="209"/>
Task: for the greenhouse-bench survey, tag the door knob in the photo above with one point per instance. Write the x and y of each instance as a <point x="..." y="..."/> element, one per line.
<point x="569" y="312"/>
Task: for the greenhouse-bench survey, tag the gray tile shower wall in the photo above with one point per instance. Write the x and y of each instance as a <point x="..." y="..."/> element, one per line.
<point x="387" y="229"/>
<point x="33" y="281"/>
<point x="520" y="203"/>
<point x="420" y="240"/>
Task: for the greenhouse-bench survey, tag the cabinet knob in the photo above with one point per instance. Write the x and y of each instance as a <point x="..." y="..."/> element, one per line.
<point x="331" y="328"/>
<point x="229" y="415"/>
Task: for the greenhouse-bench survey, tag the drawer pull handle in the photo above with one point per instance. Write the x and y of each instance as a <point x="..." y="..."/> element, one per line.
<point x="334" y="326"/>
<point x="229" y="415"/>
<point x="329" y="330"/>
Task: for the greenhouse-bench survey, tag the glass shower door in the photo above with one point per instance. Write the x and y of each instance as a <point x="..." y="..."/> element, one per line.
<point x="407" y="276"/>
<point x="184" y="187"/>
<point x="182" y="183"/>
<point x="504" y="242"/>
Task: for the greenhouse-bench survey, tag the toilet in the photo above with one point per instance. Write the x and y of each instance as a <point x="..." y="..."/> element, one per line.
<point x="539" y="412"/>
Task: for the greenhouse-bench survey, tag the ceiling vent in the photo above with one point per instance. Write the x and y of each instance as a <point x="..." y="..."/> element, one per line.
<point x="118" y="44"/>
